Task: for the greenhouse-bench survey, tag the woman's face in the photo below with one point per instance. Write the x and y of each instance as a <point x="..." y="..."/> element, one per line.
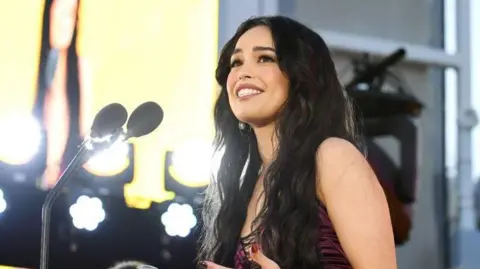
<point x="257" y="88"/>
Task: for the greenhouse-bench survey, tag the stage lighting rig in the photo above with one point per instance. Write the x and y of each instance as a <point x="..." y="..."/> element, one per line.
<point x="113" y="168"/>
<point x="179" y="219"/>
<point x="22" y="149"/>
<point x="374" y="91"/>
<point x="398" y="179"/>
<point x="386" y="111"/>
<point x="87" y="212"/>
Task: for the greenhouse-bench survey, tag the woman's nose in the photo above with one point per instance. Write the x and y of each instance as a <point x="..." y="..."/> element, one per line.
<point x="244" y="76"/>
<point x="246" y="72"/>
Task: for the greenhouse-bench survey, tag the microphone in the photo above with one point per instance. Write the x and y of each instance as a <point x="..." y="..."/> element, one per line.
<point x="110" y="119"/>
<point x="144" y="120"/>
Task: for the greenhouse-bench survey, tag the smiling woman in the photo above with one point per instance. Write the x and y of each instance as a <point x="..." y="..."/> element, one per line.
<point x="293" y="189"/>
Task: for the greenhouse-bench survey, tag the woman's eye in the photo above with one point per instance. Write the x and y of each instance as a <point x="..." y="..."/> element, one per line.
<point x="235" y="63"/>
<point x="266" y="59"/>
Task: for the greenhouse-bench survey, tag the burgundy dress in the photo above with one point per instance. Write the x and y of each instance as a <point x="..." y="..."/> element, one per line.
<point x="328" y="245"/>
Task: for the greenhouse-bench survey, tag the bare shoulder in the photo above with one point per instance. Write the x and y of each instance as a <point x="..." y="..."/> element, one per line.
<point x="337" y="147"/>
<point x="337" y="157"/>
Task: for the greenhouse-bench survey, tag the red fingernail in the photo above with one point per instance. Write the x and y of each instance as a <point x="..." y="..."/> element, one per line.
<point x="254" y="248"/>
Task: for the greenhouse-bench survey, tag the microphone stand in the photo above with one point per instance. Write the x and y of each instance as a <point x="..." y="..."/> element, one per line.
<point x="79" y="158"/>
<point x="52" y="196"/>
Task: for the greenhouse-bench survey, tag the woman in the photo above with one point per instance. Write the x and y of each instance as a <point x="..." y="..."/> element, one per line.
<point x="62" y="23"/>
<point x="283" y="115"/>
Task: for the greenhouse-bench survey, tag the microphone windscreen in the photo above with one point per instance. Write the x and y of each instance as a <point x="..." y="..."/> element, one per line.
<point x="108" y="120"/>
<point x="144" y="119"/>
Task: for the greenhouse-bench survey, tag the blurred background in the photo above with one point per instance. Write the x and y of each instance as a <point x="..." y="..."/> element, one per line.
<point x="412" y="67"/>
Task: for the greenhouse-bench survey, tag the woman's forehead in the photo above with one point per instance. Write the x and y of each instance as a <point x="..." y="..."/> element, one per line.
<point x="259" y="36"/>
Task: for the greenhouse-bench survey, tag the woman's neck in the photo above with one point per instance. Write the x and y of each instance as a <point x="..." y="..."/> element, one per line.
<point x="266" y="142"/>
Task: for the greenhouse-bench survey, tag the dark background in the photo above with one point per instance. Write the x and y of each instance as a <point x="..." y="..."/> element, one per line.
<point x="126" y="234"/>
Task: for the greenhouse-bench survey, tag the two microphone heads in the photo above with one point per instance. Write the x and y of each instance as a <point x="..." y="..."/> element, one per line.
<point x="111" y="119"/>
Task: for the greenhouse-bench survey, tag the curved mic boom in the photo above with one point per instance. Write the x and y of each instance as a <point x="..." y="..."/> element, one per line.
<point x="109" y="120"/>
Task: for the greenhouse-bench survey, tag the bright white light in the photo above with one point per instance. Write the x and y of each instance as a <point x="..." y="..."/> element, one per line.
<point x="3" y="203"/>
<point x="20" y="139"/>
<point x="87" y="213"/>
<point x="179" y="220"/>
<point x="216" y="160"/>
<point x="111" y="160"/>
<point x="195" y="161"/>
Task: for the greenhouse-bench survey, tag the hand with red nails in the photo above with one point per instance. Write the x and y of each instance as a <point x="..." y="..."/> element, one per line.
<point x="255" y="255"/>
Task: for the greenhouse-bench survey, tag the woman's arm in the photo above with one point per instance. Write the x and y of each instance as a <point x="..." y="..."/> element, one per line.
<point x="356" y="205"/>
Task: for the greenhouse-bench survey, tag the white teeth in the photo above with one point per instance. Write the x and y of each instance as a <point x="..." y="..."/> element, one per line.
<point x="247" y="92"/>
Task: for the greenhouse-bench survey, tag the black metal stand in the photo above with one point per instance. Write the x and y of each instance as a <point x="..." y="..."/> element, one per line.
<point x="52" y="196"/>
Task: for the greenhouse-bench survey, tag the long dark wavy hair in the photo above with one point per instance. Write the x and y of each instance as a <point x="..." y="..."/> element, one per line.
<point x="317" y="108"/>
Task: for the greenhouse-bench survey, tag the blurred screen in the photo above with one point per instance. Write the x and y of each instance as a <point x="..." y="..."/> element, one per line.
<point x="63" y="60"/>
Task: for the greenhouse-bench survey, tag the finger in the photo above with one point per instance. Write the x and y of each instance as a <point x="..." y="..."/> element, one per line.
<point x="211" y="265"/>
<point x="257" y="256"/>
